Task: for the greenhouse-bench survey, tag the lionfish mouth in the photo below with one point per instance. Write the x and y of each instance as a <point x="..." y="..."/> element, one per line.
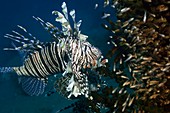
<point x="100" y="62"/>
<point x="96" y="63"/>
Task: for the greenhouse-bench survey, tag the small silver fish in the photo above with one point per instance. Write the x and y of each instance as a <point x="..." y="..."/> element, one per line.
<point x="96" y="6"/>
<point x="124" y="9"/>
<point x="105" y="15"/>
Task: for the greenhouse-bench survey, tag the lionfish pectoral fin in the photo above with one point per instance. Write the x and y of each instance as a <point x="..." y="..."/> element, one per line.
<point x="33" y="86"/>
<point x="61" y="85"/>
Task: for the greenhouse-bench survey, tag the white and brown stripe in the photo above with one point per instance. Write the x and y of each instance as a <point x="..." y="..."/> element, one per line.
<point x="45" y="62"/>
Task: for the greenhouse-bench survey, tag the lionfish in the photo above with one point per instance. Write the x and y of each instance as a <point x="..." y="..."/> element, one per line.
<point x="68" y="54"/>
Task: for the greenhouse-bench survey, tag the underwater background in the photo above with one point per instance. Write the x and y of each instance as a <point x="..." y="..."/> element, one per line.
<point x="20" y="12"/>
<point x="134" y="35"/>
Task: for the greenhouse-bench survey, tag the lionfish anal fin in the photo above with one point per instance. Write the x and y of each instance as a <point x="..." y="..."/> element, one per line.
<point x="32" y="86"/>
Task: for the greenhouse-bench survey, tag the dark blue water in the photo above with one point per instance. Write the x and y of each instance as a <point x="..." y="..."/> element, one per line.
<point x="20" y="12"/>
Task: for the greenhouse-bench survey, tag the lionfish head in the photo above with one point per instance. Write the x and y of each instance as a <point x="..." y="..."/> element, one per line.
<point x="94" y="56"/>
<point x="96" y="52"/>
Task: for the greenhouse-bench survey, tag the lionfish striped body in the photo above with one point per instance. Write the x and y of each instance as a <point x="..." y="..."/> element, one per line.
<point x="68" y="54"/>
<point x="44" y="62"/>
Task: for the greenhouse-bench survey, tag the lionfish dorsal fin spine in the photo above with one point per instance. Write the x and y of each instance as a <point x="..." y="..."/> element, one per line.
<point x="53" y="30"/>
<point x="28" y="45"/>
<point x="64" y="10"/>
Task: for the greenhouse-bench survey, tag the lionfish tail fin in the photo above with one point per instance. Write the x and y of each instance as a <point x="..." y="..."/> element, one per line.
<point x="6" y="69"/>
